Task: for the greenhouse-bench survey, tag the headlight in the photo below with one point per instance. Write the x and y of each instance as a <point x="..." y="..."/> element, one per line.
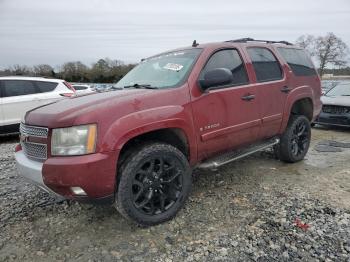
<point x="76" y="140"/>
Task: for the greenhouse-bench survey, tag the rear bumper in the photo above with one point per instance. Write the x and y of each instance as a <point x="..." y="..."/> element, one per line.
<point x="333" y="119"/>
<point x="95" y="174"/>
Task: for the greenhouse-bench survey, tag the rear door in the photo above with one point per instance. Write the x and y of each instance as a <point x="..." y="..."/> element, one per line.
<point x="223" y="118"/>
<point x="19" y="96"/>
<point x="271" y="86"/>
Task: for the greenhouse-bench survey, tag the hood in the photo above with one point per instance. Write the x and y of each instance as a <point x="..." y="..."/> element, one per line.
<point x="336" y="100"/>
<point x="66" y="112"/>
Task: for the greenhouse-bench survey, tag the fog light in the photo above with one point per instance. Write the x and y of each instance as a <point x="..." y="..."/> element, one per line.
<point x="78" y="191"/>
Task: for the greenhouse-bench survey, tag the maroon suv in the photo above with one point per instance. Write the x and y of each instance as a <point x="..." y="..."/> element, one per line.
<point x="196" y="107"/>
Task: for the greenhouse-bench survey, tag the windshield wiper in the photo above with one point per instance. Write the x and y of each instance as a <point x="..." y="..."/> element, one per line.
<point x="116" y="88"/>
<point x="141" y="86"/>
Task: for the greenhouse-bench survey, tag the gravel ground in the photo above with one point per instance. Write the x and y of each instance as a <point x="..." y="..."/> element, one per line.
<point x="256" y="209"/>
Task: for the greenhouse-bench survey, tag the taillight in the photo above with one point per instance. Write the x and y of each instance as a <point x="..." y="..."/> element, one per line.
<point x="69" y="86"/>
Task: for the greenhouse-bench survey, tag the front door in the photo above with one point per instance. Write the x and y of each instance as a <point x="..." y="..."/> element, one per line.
<point x="226" y="116"/>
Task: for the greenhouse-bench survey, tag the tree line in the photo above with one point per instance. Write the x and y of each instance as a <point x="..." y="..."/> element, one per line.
<point x="328" y="51"/>
<point x="103" y="71"/>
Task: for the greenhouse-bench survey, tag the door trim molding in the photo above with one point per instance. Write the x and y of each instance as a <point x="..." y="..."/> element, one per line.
<point x="230" y="129"/>
<point x="271" y="118"/>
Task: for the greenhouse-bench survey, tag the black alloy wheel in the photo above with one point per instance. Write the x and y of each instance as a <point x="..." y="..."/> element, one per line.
<point x="157" y="185"/>
<point x="295" y="140"/>
<point x="300" y="139"/>
<point x="154" y="182"/>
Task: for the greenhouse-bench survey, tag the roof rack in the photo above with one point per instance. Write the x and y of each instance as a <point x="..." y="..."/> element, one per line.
<point x="248" y="39"/>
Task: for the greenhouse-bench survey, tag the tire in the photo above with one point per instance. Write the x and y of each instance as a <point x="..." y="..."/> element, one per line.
<point x="154" y="184"/>
<point x="295" y="140"/>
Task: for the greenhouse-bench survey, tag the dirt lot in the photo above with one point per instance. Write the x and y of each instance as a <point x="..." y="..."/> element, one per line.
<point x="254" y="209"/>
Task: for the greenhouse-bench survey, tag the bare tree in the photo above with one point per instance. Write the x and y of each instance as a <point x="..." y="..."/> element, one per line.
<point x="43" y="70"/>
<point x="21" y="70"/>
<point x="307" y="42"/>
<point x="74" y="71"/>
<point x="328" y="50"/>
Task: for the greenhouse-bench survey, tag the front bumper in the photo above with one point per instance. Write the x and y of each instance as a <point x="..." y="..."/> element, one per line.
<point x="95" y="174"/>
<point x="333" y="119"/>
<point x="32" y="171"/>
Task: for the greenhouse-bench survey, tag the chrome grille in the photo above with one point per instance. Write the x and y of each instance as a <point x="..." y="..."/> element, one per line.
<point x="31" y="149"/>
<point x="330" y="109"/>
<point x="35" y="150"/>
<point x="34" y="131"/>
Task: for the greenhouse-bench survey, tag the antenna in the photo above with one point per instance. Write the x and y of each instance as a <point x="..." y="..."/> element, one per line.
<point x="195" y="44"/>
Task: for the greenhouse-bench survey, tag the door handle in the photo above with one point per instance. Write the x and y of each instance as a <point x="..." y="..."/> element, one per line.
<point x="248" y="97"/>
<point x="285" y="89"/>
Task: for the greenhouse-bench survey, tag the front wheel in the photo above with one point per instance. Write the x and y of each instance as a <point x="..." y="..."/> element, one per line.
<point x="154" y="183"/>
<point x="295" y="141"/>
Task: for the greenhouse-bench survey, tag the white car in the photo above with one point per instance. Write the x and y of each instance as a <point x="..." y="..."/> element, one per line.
<point x="82" y="89"/>
<point x="21" y="94"/>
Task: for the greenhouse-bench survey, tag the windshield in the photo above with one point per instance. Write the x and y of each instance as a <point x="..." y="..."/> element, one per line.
<point x="162" y="71"/>
<point x="340" y="90"/>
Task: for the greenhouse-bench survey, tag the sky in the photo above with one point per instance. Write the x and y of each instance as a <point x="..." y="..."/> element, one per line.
<point x="53" y="32"/>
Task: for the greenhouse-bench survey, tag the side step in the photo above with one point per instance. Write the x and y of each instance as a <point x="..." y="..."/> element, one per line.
<point x="237" y="154"/>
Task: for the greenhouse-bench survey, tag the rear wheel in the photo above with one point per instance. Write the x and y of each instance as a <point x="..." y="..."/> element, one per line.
<point x="154" y="183"/>
<point x="295" y="141"/>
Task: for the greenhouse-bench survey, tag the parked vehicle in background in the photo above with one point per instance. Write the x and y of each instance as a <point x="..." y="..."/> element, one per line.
<point x="21" y="94"/>
<point x="336" y="106"/>
<point x="196" y="107"/>
<point x="82" y="89"/>
<point x="327" y="85"/>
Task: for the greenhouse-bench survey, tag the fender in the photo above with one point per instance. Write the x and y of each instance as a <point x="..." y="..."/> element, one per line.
<point x="295" y="95"/>
<point x="141" y="122"/>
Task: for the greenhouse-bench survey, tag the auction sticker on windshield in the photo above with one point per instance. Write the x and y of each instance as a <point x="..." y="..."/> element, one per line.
<point x="172" y="66"/>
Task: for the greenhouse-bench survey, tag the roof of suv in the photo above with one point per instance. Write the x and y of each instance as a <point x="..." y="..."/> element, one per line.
<point x="30" y="78"/>
<point x="242" y="41"/>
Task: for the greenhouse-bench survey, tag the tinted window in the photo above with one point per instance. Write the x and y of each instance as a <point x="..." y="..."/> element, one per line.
<point x="80" y="87"/>
<point x="298" y="61"/>
<point x="231" y="60"/>
<point x="265" y="64"/>
<point x="18" y="88"/>
<point x="45" y="86"/>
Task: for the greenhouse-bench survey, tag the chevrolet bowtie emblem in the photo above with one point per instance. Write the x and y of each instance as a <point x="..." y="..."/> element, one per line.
<point x="24" y="138"/>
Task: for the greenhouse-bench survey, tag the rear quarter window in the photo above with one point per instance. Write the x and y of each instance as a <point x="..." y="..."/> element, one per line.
<point x="298" y="61"/>
<point x="18" y="88"/>
<point x="45" y="86"/>
<point x="265" y="64"/>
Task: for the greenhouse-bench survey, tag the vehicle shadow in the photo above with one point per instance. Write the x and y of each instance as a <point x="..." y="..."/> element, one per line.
<point x="332" y="128"/>
<point x="9" y="139"/>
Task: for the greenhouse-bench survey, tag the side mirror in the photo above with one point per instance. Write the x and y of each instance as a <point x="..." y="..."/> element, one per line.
<point x="216" y="77"/>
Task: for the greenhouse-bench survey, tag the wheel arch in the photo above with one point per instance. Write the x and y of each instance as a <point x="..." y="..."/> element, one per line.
<point x="300" y="103"/>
